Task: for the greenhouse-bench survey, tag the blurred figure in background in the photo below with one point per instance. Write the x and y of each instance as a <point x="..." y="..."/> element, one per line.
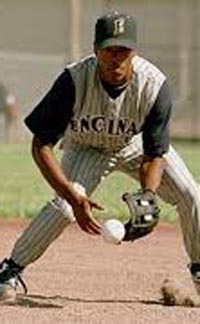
<point x="9" y="109"/>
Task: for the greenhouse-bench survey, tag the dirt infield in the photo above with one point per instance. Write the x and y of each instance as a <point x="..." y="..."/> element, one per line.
<point x="82" y="279"/>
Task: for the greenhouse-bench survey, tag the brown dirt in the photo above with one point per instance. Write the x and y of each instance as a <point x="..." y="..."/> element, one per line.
<point x="82" y="279"/>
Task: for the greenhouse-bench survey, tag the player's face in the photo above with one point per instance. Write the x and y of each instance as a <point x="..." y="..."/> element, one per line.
<point x="115" y="64"/>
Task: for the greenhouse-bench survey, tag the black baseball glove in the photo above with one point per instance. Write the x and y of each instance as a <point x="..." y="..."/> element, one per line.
<point x="144" y="210"/>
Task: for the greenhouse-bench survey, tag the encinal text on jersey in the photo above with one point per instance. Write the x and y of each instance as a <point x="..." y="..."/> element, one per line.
<point x="104" y="125"/>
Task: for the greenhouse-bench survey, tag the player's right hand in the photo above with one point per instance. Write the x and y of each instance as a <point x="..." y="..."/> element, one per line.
<point x="83" y="213"/>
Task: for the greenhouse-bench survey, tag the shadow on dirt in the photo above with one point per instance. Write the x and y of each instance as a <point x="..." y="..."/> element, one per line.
<point x="57" y="301"/>
<point x="34" y="302"/>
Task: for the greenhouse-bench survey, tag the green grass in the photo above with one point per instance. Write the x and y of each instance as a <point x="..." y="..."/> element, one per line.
<point x="24" y="191"/>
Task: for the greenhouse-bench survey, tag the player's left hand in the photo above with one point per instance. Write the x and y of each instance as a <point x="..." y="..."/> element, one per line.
<point x="83" y="214"/>
<point x="144" y="210"/>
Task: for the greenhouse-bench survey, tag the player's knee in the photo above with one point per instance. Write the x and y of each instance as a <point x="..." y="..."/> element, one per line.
<point x="63" y="208"/>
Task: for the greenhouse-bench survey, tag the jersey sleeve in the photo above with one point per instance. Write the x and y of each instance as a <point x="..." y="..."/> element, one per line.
<point x="155" y="131"/>
<point x="49" y="119"/>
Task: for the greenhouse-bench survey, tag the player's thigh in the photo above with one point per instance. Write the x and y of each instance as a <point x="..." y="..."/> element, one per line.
<point x="132" y="167"/>
<point x="131" y="158"/>
<point x="87" y="166"/>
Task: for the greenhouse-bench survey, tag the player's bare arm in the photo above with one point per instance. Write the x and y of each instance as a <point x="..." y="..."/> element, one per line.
<point x="151" y="171"/>
<point x="49" y="166"/>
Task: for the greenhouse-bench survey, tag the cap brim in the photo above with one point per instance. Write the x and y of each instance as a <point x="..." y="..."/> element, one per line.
<point x="117" y="42"/>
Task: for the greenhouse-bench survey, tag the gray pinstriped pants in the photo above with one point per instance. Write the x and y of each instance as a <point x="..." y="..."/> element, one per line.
<point x="87" y="167"/>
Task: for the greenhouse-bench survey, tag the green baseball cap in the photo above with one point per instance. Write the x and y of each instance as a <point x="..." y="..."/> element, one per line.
<point x="116" y="29"/>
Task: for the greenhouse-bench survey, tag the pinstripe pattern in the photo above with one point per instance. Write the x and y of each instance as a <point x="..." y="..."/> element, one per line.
<point x="105" y="114"/>
<point x="177" y="188"/>
<point x="86" y="167"/>
<point x="49" y="224"/>
<point x="98" y="142"/>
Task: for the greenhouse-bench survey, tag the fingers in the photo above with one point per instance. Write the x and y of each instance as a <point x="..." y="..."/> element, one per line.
<point x="89" y="225"/>
<point x="84" y="218"/>
<point x="96" y="205"/>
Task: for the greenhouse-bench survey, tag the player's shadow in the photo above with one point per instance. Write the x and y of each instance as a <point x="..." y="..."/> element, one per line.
<point x="58" y="301"/>
<point x="32" y="301"/>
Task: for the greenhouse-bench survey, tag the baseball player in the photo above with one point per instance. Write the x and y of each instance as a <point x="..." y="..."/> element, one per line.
<point x="112" y="112"/>
<point x="9" y="110"/>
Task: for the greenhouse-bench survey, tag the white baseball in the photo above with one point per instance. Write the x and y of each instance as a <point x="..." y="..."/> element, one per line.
<point x="113" y="231"/>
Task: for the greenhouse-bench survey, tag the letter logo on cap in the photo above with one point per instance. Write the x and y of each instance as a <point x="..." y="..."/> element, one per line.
<point x="119" y="27"/>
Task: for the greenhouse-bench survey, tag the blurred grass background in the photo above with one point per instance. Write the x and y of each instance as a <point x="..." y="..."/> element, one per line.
<point x="24" y="190"/>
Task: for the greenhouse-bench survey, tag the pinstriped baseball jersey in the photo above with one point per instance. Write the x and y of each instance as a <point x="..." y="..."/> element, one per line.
<point x="107" y="123"/>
